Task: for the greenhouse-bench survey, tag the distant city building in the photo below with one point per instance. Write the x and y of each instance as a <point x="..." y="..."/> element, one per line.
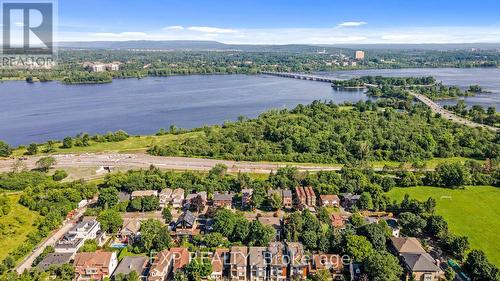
<point x="360" y="55"/>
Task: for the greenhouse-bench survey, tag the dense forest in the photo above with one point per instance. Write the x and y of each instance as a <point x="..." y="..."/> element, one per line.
<point x="324" y="133"/>
<point x="385" y="81"/>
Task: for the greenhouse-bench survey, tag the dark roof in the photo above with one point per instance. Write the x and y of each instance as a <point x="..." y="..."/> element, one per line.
<point x="129" y="264"/>
<point x="54" y="259"/>
<point x="420" y="262"/>
<point x="186" y="217"/>
<point x="392" y="223"/>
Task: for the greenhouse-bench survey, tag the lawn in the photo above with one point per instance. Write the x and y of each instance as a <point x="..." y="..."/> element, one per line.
<point x="473" y="211"/>
<point x="15" y="226"/>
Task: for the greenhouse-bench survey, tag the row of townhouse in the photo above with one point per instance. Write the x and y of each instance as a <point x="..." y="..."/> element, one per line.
<point x="277" y="262"/>
<point x="171" y="197"/>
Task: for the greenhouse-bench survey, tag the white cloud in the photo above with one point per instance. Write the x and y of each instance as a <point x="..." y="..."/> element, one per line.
<point x="351" y="24"/>
<point x="174" y="27"/>
<point x="208" y="29"/>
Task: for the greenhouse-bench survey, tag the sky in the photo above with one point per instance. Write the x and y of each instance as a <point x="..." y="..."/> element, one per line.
<point x="282" y="21"/>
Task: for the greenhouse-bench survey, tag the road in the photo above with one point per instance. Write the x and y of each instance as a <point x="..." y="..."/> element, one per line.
<point x="449" y="115"/>
<point x="49" y="241"/>
<point x="142" y="160"/>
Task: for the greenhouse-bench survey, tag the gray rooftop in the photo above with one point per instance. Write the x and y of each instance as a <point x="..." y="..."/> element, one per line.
<point x="54" y="259"/>
<point x="129" y="264"/>
<point x="420" y="262"/>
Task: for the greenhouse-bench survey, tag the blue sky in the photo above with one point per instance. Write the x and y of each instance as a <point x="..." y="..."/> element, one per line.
<point x="282" y="21"/>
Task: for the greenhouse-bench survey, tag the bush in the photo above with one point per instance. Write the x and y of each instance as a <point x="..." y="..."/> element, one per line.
<point x="5" y="149"/>
<point x="59" y="175"/>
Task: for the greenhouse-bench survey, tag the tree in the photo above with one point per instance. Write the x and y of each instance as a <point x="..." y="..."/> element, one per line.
<point x="154" y="236"/>
<point x="357" y="220"/>
<point x="322" y="275"/>
<point x="365" y="201"/>
<point x="44" y="164"/>
<point x="375" y="233"/>
<point x="224" y="222"/>
<point x="166" y="213"/>
<point x="198" y="269"/>
<point x="67" y="142"/>
<point x="59" y="175"/>
<point x="135" y="204"/>
<point x="108" y="197"/>
<point x="412" y="224"/>
<point x="89" y="245"/>
<point x="197" y="204"/>
<point x="218" y="171"/>
<point x="310" y="240"/>
<point x="436" y="226"/>
<point x="241" y="230"/>
<point x="110" y="220"/>
<point x="324" y="215"/>
<point x="457" y="245"/>
<point x="452" y="175"/>
<point x="150" y="203"/>
<point x="32" y="149"/>
<point x="276" y="201"/>
<point x="214" y="240"/>
<point x="479" y="268"/>
<point x="261" y="234"/>
<point x="258" y="197"/>
<point x="382" y="266"/>
<point x="449" y="274"/>
<point x="5" y="149"/>
<point x="293" y="226"/>
<point x="358" y="247"/>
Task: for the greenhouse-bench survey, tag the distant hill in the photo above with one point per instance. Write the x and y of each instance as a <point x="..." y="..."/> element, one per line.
<point x="189" y="45"/>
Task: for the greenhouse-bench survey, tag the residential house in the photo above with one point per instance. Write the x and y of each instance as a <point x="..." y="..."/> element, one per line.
<point x="338" y="221"/>
<point x="165" y="197"/>
<point x="220" y="264"/>
<point x="329" y="200"/>
<point x="417" y="262"/>
<point x="246" y="197"/>
<point x="112" y="66"/>
<point x="129" y="231"/>
<point x="97" y="67"/>
<point x="287" y="199"/>
<point x="143" y="193"/>
<point x="349" y="200"/>
<point x="94" y="266"/>
<point x="310" y="196"/>
<point x="275" y="223"/>
<point x="300" y="197"/>
<point x="257" y="263"/>
<point x="305" y="197"/>
<point x="178" y="198"/>
<point x="332" y="263"/>
<point x="129" y="264"/>
<point x="76" y="236"/>
<point x="278" y="261"/>
<point x="298" y="260"/>
<point x="394" y="226"/>
<point x="223" y="199"/>
<point x="161" y="266"/>
<point x="420" y="267"/>
<point x="186" y="220"/>
<point x="54" y="259"/>
<point x="202" y="195"/>
<point x="238" y="262"/>
<point x="168" y="262"/>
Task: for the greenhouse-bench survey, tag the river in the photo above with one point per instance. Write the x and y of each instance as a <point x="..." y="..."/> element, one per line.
<point x="42" y="111"/>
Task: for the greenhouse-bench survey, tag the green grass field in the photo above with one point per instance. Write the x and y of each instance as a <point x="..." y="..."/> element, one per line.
<point x="473" y="211"/>
<point x="15" y="226"/>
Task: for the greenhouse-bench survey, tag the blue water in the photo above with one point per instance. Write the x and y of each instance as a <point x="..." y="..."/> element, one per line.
<point x="42" y="111"/>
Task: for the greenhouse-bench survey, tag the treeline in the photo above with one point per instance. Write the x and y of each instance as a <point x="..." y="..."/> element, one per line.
<point x="322" y="133"/>
<point x="385" y="81"/>
<point x="476" y="113"/>
<point x="87" y="78"/>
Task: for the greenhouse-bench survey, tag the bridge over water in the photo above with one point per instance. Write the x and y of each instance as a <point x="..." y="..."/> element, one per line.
<point x="436" y="108"/>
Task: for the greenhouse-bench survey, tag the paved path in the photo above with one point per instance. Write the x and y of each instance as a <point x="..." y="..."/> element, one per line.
<point x="448" y="114"/>
<point x="142" y="160"/>
<point x="49" y="241"/>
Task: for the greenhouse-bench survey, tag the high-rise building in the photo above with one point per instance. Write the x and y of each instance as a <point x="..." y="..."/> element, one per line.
<point x="360" y="55"/>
